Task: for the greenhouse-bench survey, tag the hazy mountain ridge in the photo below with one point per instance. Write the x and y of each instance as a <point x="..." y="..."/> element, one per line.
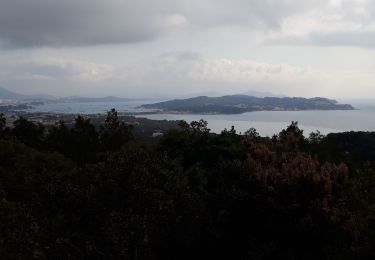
<point x="7" y="94"/>
<point x="94" y="99"/>
<point x="261" y="94"/>
<point x="233" y="104"/>
<point x="229" y="104"/>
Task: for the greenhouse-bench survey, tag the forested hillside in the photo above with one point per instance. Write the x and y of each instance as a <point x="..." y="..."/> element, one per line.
<point x="83" y="192"/>
<point x="236" y="104"/>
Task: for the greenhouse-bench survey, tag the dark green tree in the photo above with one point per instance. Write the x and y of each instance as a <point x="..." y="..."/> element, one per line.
<point x="292" y="137"/>
<point x="59" y="138"/>
<point x="2" y="121"/>
<point x="28" y="132"/>
<point x="84" y="140"/>
<point x="2" y="125"/>
<point x="114" y="133"/>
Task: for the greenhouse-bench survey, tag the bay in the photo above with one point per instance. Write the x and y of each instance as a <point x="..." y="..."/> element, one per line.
<point x="267" y="123"/>
<point x="88" y="108"/>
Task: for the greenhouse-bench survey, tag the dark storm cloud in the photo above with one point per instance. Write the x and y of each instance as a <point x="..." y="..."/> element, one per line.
<point x="34" y="23"/>
<point x="75" y="22"/>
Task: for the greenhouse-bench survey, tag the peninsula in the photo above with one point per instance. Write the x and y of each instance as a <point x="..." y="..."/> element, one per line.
<point x="236" y="104"/>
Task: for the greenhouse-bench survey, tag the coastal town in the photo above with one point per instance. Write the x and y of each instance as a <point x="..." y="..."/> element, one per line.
<point x="142" y="127"/>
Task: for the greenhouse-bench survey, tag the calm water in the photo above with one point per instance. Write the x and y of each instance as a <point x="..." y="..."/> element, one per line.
<point x="266" y="122"/>
<point x="90" y="107"/>
<point x="270" y="122"/>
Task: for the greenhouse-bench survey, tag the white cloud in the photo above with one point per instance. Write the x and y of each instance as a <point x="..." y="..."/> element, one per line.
<point x="175" y="74"/>
<point x="174" y="20"/>
<point x="58" y="69"/>
<point x="338" y="23"/>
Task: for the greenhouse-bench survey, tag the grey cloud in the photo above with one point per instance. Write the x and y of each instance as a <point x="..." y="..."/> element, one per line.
<point x="171" y="74"/>
<point x="349" y="39"/>
<point x="247" y="13"/>
<point x="181" y="56"/>
<point x="57" y="23"/>
<point x="26" y="23"/>
<point x="358" y="39"/>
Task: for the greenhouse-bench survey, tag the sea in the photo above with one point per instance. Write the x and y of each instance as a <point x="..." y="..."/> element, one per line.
<point x="267" y="123"/>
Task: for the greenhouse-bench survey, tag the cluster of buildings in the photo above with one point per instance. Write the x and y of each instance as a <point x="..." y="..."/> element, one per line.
<point x="50" y="119"/>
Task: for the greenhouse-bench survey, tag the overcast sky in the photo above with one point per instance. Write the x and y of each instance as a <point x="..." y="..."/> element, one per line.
<point x="167" y="48"/>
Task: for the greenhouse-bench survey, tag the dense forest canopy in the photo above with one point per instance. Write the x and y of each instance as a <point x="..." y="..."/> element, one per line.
<point x="83" y="192"/>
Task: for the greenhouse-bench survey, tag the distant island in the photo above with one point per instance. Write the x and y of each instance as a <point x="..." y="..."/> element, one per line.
<point x="236" y="104"/>
<point x="230" y="104"/>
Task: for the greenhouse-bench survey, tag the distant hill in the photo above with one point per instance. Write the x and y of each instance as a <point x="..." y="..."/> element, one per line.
<point x="235" y="104"/>
<point x="7" y="94"/>
<point x="260" y="94"/>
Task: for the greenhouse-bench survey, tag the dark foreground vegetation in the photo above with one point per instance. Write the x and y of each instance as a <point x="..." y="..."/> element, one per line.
<point x="86" y="193"/>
